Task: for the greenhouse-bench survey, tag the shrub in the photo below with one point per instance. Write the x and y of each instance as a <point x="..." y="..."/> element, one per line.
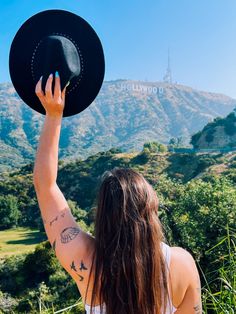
<point x="40" y="264"/>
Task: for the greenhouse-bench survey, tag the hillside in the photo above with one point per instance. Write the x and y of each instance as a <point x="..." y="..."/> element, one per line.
<point x="125" y="114"/>
<point x="219" y="133"/>
<point x="79" y="179"/>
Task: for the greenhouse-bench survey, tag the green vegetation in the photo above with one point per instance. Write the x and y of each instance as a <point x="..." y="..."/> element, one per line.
<point x="197" y="208"/>
<point x="154" y="147"/>
<point x="9" y="211"/>
<point x="34" y="280"/>
<point x="229" y="130"/>
<point x="219" y="294"/>
<point x="210" y="135"/>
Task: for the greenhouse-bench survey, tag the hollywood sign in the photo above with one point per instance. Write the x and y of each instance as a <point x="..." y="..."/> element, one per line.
<point x="138" y="88"/>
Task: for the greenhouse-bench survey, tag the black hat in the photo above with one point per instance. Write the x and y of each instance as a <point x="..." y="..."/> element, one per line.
<point x="57" y="40"/>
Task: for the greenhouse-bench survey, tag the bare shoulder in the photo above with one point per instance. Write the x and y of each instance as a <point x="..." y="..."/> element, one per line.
<point x="185" y="281"/>
<point x="182" y="256"/>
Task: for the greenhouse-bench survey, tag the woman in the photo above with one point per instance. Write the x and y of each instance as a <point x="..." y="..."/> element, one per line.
<point x="127" y="267"/>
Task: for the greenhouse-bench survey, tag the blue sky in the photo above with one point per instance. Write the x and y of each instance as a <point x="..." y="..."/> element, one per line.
<point x="136" y="34"/>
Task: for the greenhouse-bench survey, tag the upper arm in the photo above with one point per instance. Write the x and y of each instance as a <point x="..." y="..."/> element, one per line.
<point x="191" y="303"/>
<point x="70" y="243"/>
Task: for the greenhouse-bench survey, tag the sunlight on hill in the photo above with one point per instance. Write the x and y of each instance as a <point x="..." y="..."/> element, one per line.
<point x="19" y="240"/>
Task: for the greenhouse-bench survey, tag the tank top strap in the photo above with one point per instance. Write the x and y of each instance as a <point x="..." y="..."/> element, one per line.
<point x="167" y="253"/>
<point x="167" y="256"/>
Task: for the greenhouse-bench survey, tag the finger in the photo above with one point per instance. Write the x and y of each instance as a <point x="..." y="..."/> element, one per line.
<point x="38" y="89"/>
<point x="48" y="87"/>
<point x="64" y="91"/>
<point x="57" y="88"/>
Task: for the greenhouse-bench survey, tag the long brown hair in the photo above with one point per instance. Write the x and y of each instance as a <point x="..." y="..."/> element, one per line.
<point x="130" y="270"/>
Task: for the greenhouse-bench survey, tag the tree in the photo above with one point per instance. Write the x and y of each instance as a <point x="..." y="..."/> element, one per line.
<point x="81" y="215"/>
<point x="154" y="147"/>
<point x="172" y="141"/>
<point x="40" y="264"/>
<point x="194" y="139"/>
<point x="179" y="141"/>
<point x="9" y="212"/>
<point x="176" y="141"/>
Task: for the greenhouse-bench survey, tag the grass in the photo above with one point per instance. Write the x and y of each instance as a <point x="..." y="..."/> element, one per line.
<point x="223" y="299"/>
<point x="19" y="240"/>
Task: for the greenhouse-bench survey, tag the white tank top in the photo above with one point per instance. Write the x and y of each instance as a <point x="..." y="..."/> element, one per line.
<point x="170" y="309"/>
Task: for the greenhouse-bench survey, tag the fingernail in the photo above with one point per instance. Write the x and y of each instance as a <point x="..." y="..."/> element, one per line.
<point x="56" y="74"/>
<point x="51" y="75"/>
<point x="41" y="78"/>
<point x="68" y="83"/>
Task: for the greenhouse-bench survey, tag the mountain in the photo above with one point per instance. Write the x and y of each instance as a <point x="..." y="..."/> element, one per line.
<point x="219" y="133"/>
<point x="125" y="114"/>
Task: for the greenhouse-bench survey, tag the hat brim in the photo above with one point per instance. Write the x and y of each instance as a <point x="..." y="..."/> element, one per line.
<point x="79" y="94"/>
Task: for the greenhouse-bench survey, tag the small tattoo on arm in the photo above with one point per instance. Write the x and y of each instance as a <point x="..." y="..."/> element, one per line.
<point x="197" y="309"/>
<point x="82" y="266"/>
<point x="62" y="214"/>
<point x="80" y="277"/>
<point x="52" y="221"/>
<point x="72" y="266"/>
<point x="69" y="234"/>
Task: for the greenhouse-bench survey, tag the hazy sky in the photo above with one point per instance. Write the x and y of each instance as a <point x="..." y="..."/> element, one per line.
<point x="136" y="34"/>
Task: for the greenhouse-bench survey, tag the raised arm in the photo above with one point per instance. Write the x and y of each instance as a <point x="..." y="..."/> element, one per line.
<point x="46" y="162"/>
<point x="70" y="243"/>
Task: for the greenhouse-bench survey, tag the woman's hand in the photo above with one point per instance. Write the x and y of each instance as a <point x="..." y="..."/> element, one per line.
<point x="53" y="103"/>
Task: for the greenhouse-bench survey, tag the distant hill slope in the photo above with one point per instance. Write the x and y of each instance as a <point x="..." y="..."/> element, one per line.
<point x="219" y="133"/>
<point x="79" y="179"/>
<point x="125" y="114"/>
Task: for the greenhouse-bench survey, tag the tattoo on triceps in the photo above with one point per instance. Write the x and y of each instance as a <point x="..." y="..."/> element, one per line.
<point x="197" y="309"/>
<point x="82" y="266"/>
<point x="80" y="277"/>
<point x="69" y="234"/>
<point x="62" y="214"/>
<point x="52" y="221"/>
<point x="72" y="266"/>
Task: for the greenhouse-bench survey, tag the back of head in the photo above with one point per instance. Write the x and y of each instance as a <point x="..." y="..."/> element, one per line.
<point x="129" y="268"/>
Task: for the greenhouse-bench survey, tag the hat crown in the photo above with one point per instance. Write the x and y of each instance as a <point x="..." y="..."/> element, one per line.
<point x="56" y="53"/>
